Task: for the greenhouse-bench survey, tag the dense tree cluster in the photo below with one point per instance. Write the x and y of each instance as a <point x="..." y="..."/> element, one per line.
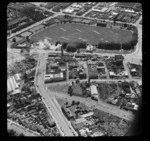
<point x="118" y="46"/>
<point x="73" y="47"/>
<point x="14" y="133"/>
<point x="101" y="24"/>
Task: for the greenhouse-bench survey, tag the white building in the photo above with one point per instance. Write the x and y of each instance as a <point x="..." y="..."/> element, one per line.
<point x="83" y="132"/>
<point x="69" y="10"/>
<point x="87" y="115"/>
<point x="133" y="70"/>
<point x="135" y="106"/>
<point x="100" y="10"/>
<point x="111" y="73"/>
<point x="89" y="48"/>
<point x="51" y="76"/>
<point x="13" y="83"/>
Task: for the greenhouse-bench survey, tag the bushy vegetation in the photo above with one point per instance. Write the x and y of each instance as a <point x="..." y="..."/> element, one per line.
<point x="118" y="46"/>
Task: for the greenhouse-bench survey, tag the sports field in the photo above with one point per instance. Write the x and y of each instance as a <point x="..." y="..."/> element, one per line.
<point x="77" y="32"/>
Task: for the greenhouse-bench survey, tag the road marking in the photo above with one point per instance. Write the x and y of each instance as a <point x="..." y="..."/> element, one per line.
<point x="78" y="30"/>
<point x="62" y="29"/>
<point x="65" y="38"/>
<point x="95" y="31"/>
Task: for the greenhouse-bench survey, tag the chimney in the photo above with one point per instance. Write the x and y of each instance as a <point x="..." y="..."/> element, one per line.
<point x="62" y="51"/>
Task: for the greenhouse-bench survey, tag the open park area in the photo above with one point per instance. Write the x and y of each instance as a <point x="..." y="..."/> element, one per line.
<point x="80" y="32"/>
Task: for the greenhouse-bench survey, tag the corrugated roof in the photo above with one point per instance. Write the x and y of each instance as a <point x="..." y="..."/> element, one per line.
<point x="14" y="82"/>
<point x="11" y="84"/>
<point x="9" y="89"/>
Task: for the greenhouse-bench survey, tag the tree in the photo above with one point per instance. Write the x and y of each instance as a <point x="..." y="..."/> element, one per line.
<point x="21" y="134"/>
<point x="11" y="132"/>
<point x="25" y="77"/>
<point x="78" y="103"/>
<point x="73" y="102"/>
<point x="14" y="40"/>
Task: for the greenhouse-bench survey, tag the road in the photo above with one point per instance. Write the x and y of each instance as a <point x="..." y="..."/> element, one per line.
<point x="20" y="129"/>
<point x="33" y="25"/>
<point x="52" y="107"/>
<point x="134" y="57"/>
<point x="106" y="107"/>
<point x="103" y="106"/>
<point x="111" y="109"/>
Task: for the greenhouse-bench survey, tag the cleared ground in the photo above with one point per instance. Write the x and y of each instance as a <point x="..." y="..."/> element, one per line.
<point x="60" y="88"/>
<point x="78" y="32"/>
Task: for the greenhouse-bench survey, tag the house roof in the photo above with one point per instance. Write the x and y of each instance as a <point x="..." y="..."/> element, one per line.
<point x="87" y="115"/>
<point x="111" y="73"/>
<point x="86" y="21"/>
<point x="77" y="20"/>
<point x="93" y="90"/>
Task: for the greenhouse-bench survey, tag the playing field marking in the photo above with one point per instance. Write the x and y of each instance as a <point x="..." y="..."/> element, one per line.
<point x="82" y="39"/>
<point x="78" y="30"/>
<point x="65" y="38"/>
<point x="62" y="29"/>
<point x="95" y="31"/>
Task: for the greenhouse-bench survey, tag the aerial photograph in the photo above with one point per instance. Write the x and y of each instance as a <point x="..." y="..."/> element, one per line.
<point x="73" y="68"/>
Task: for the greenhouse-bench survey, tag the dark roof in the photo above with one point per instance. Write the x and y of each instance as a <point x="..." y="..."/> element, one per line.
<point x="17" y="20"/>
<point x="126" y="4"/>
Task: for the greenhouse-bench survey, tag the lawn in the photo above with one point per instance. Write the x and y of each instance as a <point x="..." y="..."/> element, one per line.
<point x="77" y="32"/>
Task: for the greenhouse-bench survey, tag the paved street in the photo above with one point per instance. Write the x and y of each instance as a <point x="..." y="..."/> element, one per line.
<point x="101" y="105"/>
<point x="61" y="122"/>
<point x="49" y="96"/>
<point x="112" y="109"/>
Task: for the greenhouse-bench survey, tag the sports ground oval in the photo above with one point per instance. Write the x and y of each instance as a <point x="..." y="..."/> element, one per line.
<point x="80" y="32"/>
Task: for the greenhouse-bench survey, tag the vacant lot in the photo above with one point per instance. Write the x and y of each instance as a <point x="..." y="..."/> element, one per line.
<point x="60" y="88"/>
<point x="77" y="32"/>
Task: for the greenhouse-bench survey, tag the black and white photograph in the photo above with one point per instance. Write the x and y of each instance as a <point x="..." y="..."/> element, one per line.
<point x="74" y="69"/>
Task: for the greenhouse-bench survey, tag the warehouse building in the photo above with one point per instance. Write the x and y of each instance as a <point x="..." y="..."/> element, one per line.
<point x="13" y="84"/>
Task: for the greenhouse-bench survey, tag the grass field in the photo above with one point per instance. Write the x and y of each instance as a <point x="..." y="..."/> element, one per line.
<point x="77" y="32"/>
